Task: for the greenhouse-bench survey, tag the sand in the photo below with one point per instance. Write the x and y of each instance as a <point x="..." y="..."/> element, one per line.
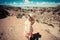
<point x="12" y="28"/>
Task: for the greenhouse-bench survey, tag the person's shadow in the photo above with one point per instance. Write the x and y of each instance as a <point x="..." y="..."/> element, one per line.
<point x="36" y="36"/>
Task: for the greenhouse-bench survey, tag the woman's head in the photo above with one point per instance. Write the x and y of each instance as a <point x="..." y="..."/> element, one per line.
<point x="28" y="15"/>
<point x="31" y="18"/>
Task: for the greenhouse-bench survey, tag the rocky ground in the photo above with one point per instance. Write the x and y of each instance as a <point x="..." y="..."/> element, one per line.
<point x="12" y="22"/>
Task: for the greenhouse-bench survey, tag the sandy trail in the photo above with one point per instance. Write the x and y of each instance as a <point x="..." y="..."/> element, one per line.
<point x="13" y="29"/>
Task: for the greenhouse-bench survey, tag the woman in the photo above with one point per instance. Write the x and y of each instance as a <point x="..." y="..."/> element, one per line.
<point x="28" y="31"/>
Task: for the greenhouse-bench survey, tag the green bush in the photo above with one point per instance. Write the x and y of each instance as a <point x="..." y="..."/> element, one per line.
<point x="37" y="21"/>
<point x="44" y="22"/>
<point x="19" y="16"/>
<point x="48" y="11"/>
<point x="23" y="14"/>
<point x="51" y="25"/>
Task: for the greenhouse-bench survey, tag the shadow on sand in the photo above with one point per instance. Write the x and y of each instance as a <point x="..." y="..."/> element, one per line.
<point x="3" y="13"/>
<point x="36" y="36"/>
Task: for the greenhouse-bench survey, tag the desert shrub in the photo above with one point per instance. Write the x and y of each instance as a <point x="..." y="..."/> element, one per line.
<point x="19" y="7"/>
<point x="42" y="12"/>
<point x="19" y="16"/>
<point x="47" y="30"/>
<point x="16" y="9"/>
<point x="48" y="24"/>
<point x="23" y="14"/>
<point x="58" y="13"/>
<point x="40" y="9"/>
<point x="35" y="16"/>
<point x="53" y="13"/>
<point x="51" y="25"/>
<point x="48" y="11"/>
<point x="44" y="22"/>
<point x="31" y="10"/>
<point x="56" y="10"/>
<point x="37" y="21"/>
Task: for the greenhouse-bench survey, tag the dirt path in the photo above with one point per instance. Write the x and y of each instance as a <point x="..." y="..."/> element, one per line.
<point x="12" y="29"/>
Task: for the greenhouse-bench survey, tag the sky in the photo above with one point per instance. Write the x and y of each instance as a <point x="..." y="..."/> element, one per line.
<point x="31" y="3"/>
